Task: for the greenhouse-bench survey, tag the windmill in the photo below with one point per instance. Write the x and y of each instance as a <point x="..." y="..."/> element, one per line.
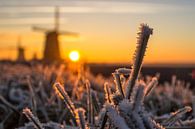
<point x="21" y="50"/>
<point x="51" y="47"/>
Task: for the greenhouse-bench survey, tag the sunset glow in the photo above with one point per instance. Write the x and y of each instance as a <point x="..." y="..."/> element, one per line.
<point x="107" y="29"/>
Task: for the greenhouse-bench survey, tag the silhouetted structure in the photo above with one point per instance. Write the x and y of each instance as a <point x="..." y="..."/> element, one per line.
<point x="52" y="48"/>
<point x="21" y="54"/>
<point x="35" y="58"/>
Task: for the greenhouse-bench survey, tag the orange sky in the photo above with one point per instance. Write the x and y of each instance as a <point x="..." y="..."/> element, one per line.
<point x="106" y="36"/>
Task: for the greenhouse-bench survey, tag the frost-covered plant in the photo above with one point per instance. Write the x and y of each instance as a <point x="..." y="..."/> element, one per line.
<point x="168" y="97"/>
<point x="176" y="116"/>
<point x="68" y="102"/>
<point x="126" y="111"/>
<point x="142" y="41"/>
<point x="32" y="118"/>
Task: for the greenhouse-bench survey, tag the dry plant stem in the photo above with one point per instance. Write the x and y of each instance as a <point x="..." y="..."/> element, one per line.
<point x="103" y="122"/>
<point x="151" y="86"/>
<point x="142" y="41"/>
<point x="95" y="102"/>
<point x="157" y="125"/>
<point x="89" y="103"/>
<point x="62" y="116"/>
<point x="107" y="92"/>
<point x="65" y="96"/>
<point x="32" y="118"/>
<point x="43" y="92"/>
<point x="81" y="118"/>
<point x="176" y="115"/>
<point x="67" y="100"/>
<point x="32" y="93"/>
<point x="8" y="104"/>
<point x="118" y="83"/>
<point x="45" y="114"/>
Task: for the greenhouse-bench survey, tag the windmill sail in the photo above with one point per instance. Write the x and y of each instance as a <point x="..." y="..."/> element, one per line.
<point x="68" y="33"/>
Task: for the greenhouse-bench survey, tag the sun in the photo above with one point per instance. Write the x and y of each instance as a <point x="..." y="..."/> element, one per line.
<point x="74" y="56"/>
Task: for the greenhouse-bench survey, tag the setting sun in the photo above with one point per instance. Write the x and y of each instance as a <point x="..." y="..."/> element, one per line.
<point x="74" y="56"/>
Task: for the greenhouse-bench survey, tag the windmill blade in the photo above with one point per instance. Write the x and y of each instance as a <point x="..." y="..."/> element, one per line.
<point x="57" y="16"/>
<point x="39" y="28"/>
<point x="73" y="34"/>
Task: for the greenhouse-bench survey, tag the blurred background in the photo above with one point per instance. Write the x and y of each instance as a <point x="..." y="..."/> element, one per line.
<point x="100" y="32"/>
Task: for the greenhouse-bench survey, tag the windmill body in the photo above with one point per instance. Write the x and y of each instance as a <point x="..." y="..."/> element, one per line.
<point x="20" y="50"/>
<point x="21" y="57"/>
<point x="52" y="48"/>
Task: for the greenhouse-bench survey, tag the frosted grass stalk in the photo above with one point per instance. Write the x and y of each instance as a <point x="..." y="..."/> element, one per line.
<point x="80" y="117"/>
<point x="107" y="92"/>
<point x="151" y="86"/>
<point x="32" y="118"/>
<point x="176" y="115"/>
<point x="142" y="41"/>
<point x="69" y="104"/>
<point x="89" y="103"/>
<point x="118" y="83"/>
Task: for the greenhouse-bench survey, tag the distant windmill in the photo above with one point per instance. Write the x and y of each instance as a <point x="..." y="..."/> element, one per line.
<point x="52" y="47"/>
<point x="21" y="50"/>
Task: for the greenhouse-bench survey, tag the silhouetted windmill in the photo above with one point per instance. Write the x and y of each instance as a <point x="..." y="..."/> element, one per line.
<point x="20" y="50"/>
<point x="52" y="47"/>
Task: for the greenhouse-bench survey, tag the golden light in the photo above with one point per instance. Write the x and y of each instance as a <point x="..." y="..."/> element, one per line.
<point x="74" y="56"/>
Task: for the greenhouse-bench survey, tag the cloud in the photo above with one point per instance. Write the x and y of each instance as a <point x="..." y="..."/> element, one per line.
<point x="93" y="6"/>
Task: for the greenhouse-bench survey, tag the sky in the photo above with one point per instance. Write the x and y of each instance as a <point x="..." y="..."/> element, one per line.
<point x="107" y="28"/>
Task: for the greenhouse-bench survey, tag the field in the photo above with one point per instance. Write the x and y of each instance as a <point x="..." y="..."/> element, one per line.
<point x="31" y="86"/>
